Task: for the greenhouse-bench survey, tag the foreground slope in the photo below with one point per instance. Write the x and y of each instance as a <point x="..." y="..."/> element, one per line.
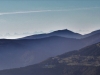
<point x="85" y="61"/>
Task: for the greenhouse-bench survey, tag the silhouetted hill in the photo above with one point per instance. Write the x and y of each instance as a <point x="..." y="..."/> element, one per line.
<point x="91" y="39"/>
<point x="92" y="33"/>
<point x="62" y="33"/>
<point x="85" y="61"/>
<point x="87" y="39"/>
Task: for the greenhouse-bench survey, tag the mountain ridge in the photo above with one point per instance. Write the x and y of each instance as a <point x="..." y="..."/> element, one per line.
<point x="79" y="62"/>
<point x="39" y="49"/>
<point x="63" y="33"/>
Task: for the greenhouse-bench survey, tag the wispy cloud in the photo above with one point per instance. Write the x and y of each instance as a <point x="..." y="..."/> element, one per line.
<point x="39" y="11"/>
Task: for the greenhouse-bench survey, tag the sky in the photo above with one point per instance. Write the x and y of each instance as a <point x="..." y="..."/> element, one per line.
<point x="19" y="18"/>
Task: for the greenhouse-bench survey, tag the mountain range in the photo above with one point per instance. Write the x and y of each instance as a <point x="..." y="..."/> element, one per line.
<point x="85" y="61"/>
<point x="62" y="33"/>
<point x="36" y="48"/>
<point x="30" y="51"/>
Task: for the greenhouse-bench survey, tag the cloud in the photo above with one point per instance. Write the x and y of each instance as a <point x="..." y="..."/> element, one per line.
<point x="39" y="11"/>
<point x="23" y="12"/>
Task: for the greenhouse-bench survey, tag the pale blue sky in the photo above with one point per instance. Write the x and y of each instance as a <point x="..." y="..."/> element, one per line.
<point x="25" y="17"/>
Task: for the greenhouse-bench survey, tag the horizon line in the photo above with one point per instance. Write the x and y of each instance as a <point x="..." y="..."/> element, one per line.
<point x="46" y="33"/>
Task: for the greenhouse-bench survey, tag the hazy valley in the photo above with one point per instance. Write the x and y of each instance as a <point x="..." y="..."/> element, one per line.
<point x="29" y="50"/>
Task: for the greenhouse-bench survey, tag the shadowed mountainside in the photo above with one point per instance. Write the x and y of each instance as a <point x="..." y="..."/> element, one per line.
<point x="31" y="51"/>
<point x="85" y="61"/>
<point x="24" y="52"/>
<point x="91" y="39"/>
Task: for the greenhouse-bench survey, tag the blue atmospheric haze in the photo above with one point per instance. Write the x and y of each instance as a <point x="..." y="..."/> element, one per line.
<point x="25" y="17"/>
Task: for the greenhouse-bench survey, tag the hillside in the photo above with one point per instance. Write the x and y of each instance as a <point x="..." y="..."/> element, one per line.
<point x="94" y="38"/>
<point x="85" y="61"/>
<point x="30" y="51"/>
<point x="92" y="33"/>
